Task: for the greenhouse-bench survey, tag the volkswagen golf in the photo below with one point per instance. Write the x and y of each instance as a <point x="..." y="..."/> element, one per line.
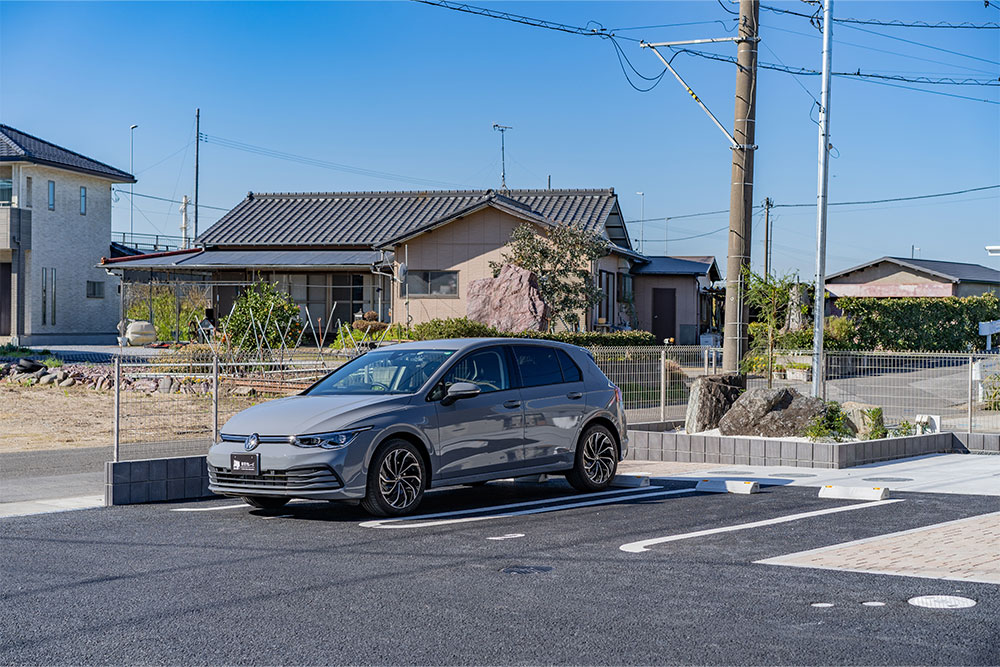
<point x="392" y="423"/>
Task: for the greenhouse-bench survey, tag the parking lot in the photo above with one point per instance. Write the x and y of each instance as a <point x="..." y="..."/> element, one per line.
<point x="504" y="573"/>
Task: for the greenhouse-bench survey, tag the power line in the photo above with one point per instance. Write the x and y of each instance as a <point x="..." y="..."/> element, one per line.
<point x="517" y="18"/>
<point x="172" y="201"/>
<point x="323" y="164"/>
<point x="926" y="46"/>
<point x="676" y="25"/>
<point x="892" y="23"/>
<point x="893" y="199"/>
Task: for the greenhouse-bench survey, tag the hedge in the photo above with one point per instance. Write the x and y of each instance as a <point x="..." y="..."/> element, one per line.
<point x="920" y="323"/>
<point x="462" y="327"/>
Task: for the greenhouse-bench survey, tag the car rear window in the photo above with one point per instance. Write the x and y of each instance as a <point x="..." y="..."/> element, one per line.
<point x="571" y="372"/>
<point x="538" y="365"/>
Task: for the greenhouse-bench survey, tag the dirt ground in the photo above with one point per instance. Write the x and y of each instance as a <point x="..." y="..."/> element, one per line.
<point x="40" y="418"/>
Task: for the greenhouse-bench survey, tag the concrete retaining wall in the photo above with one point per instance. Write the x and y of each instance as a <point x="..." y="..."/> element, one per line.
<point x="152" y="480"/>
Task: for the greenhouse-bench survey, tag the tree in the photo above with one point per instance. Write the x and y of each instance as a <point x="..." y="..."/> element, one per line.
<point x="263" y="317"/>
<point x="769" y="296"/>
<point x="561" y="259"/>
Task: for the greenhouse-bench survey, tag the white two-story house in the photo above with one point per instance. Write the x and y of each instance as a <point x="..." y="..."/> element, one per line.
<point x="55" y="226"/>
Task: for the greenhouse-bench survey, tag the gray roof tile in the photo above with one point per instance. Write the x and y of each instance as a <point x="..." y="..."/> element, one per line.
<point x="372" y="218"/>
<point x="20" y="146"/>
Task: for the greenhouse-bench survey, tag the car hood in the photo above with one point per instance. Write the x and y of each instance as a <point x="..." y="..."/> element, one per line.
<point x="306" y="414"/>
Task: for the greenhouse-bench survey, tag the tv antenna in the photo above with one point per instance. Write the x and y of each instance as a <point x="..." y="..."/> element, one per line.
<point x="502" y="129"/>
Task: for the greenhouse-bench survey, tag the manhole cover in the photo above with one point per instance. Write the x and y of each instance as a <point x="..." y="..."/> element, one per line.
<point x="942" y="602"/>
<point x="888" y="479"/>
<point x="526" y="569"/>
<point x="791" y="474"/>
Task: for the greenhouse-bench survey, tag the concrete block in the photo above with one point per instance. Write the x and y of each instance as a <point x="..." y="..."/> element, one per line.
<point x="175" y="489"/>
<point x="697" y="457"/>
<point x="822" y="452"/>
<point x="158" y="490"/>
<point x="712" y="457"/>
<point x="756" y="447"/>
<point x="120" y="472"/>
<point x="977" y="442"/>
<point x="727" y="486"/>
<point x="138" y="492"/>
<point x="638" y="439"/>
<point x="669" y="455"/>
<point x="727" y="446"/>
<point x="804" y="452"/>
<point x="673" y="441"/>
<point x="772" y="451"/>
<point x="158" y="469"/>
<point x="194" y="466"/>
<point x="119" y="494"/>
<point x="204" y="488"/>
<point x="991" y="443"/>
<point x="625" y="481"/>
<point x="683" y="456"/>
<point x="911" y="447"/>
<point x="698" y="443"/>
<point x="754" y="461"/>
<point x="713" y="444"/>
<point x="854" y="492"/>
<point x="742" y="447"/>
<point x="788" y="452"/>
<point x="192" y="487"/>
<point x="139" y="471"/>
<point x="175" y="468"/>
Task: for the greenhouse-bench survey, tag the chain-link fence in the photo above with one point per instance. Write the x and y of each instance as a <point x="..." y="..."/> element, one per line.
<point x="174" y="406"/>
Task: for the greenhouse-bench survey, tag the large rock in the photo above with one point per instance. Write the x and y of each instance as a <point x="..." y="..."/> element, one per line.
<point x="711" y="396"/>
<point x="857" y="417"/>
<point x="29" y="366"/>
<point x="140" y="333"/>
<point x="509" y="302"/>
<point x="772" y="413"/>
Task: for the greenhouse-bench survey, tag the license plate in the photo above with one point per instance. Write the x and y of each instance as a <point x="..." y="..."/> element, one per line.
<point x="245" y="464"/>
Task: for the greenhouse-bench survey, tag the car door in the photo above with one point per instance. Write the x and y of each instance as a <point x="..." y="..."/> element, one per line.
<point x="484" y="433"/>
<point x="552" y="391"/>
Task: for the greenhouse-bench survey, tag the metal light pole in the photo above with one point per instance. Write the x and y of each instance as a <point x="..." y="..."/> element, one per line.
<point x="642" y="220"/>
<point x="131" y="171"/>
<point x="821" y="204"/>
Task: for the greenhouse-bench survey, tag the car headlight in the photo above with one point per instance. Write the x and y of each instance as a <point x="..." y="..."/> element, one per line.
<point x="334" y="440"/>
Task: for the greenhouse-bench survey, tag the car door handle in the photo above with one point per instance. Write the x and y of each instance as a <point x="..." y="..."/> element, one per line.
<point x="512" y="404"/>
<point x="574" y="395"/>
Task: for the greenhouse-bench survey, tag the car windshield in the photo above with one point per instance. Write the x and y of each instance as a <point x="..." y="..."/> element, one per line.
<point x="383" y="372"/>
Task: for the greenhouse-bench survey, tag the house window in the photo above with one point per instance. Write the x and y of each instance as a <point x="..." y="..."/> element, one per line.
<point x="624" y="287"/>
<point x="52" y="195"/>
<point x="6" y="185"/>
<point x="27" y="192"/>
<point x="83" y="201"/>
<point x="606" y="283"/>
<point x="48" y="296"/>
<point x="432" y="283"/>
<point x="95" y="289"/>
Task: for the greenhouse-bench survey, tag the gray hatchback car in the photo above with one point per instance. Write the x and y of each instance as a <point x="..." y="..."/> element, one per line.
<point x="388" y="425"/>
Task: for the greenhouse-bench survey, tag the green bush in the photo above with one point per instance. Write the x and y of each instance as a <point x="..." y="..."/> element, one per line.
<point x="463" y="327"/>
<point x="259" y="305"/>
<point x="831" y="424"/>
<point x="165" y="300"/>
<point x="920" y="323"/>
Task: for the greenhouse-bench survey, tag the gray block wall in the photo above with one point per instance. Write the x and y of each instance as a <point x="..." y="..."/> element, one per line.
<point x="155" y="480"/>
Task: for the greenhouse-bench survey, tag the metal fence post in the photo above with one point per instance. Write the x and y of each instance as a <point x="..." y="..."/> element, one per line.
<point x="705" y="354"/>
<point x="663" y="385"/>
<point x="215" y="399"/>
<point x="116" y="435"/>
<point x="972" y="384"/>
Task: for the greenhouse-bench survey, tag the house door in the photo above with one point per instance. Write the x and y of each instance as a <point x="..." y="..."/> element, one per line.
<point x="664" y="313"/>
<point x="5" y="300"/>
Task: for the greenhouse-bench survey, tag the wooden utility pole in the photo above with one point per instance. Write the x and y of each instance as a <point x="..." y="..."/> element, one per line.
<point x="734" y="344"/>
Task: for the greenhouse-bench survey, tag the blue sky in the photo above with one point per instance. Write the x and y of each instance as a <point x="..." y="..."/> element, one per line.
<point x="413" y="90"/>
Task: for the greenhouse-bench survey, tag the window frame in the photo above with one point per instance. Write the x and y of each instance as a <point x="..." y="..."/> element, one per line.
<point x="409" y="293"/>
<point x="28" y="188"/>
<point x="83" y="200"/>
<point x="517" y="367"/>
<point x="502" y="350"/>
<point x="95" y="295"/>
<point x="52" y="195"/>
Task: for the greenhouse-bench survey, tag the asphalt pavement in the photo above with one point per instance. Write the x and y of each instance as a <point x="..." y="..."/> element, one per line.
<point x="540" y="578"/>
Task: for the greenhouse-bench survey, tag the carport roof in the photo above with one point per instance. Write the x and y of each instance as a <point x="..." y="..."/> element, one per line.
<point x="678" y="266"/>
<point x="215" y="259"/>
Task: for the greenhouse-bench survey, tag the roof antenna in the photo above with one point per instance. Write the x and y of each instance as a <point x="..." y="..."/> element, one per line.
<point x="502" y="129"/>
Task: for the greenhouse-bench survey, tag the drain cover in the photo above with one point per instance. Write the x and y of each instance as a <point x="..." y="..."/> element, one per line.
<point x="526" y="569"/>
<point x="888" y="479"/>
<point x="791" y="474"/>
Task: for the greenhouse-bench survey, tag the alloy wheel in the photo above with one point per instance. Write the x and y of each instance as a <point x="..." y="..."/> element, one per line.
<point x="399" y="478"/>
<point x="599" y="457"/>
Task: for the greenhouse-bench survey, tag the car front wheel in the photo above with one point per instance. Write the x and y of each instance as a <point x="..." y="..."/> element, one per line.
<point x="596" y="460"/>
<point x="397" y="478"/>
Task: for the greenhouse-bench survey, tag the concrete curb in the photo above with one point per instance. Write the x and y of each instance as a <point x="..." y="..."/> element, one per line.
<point x="153" y="480"/>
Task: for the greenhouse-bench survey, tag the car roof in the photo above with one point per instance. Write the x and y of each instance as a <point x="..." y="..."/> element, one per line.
<point x="468" y="343"/>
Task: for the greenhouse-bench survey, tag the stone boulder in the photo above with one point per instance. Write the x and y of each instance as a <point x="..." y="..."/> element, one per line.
<point x="29" y="366"/>
<point x="140" y="333"/>
<point x="711" y="397"/>
<point x="772" y="413"/>
<point x="856" y="418"/>
<point x="509" y="302"/>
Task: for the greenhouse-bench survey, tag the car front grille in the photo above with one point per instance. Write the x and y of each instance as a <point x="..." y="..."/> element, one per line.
<point x="316" y="478"/>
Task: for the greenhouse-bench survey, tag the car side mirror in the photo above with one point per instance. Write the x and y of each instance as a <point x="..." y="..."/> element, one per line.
<point x="460" y="390"/>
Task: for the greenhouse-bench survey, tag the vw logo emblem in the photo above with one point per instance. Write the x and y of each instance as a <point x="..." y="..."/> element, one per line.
<point x="252" y="441"/>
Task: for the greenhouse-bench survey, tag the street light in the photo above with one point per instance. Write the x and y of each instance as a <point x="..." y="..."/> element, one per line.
<point x="131" y="171"/>
<point x="642" y="220"/>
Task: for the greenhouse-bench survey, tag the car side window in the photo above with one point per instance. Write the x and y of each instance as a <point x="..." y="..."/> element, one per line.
<point x="571" y="372"/>
<point x="487" y="369"/>
<point x="538" y="365"/>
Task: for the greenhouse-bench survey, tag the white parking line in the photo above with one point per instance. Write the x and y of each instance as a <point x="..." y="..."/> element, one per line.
<point x="420" y="521"/>
<point x="643" y="545"/>
<point x="508" y="536"/>
<point x="209" y="509"/>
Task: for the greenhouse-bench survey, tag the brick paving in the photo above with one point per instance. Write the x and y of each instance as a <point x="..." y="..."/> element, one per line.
<point x="962" y="550"/>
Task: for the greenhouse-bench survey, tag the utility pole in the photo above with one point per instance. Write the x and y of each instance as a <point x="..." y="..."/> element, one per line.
<point x="821" y="205"/>
<point x="734" y="344"/>
<point x="184" y="222"/>
<point x="502" y="129"/>
<point x="642" y="220"/>
<point x="767" y="239"/>
<point x="131" y="197"/>
<point x="197" y="164"/>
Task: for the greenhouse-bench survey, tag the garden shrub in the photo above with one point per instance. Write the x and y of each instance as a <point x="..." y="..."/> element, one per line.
<point x="463" y="327"/>
<point x="260" y="304"/>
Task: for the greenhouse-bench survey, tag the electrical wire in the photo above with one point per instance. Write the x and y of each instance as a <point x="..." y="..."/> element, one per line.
<point x="926" y="46"/>
<point x="172" y="201"/>
<point x="728" y="28"/>
<point x="893" y="199"/>
<point x="893" y="23"/>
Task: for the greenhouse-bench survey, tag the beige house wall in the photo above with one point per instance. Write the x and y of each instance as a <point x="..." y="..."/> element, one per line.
<point x="887" y="273"/>
<point x="72" y="244"/>
<point x="687" y="299"/>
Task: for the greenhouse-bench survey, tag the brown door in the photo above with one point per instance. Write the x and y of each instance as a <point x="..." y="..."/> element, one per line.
<point x="664" y="313"/>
